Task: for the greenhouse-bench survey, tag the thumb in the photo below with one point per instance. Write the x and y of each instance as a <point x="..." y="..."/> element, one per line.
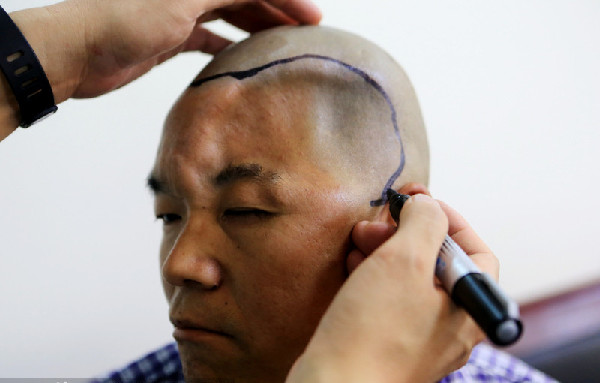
<point x="367" y="236"/>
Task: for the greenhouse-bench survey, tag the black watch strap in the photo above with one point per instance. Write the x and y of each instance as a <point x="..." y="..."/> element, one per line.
<point x="24" y="73"/>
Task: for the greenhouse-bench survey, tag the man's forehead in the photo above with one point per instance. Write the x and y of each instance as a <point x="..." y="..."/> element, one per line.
<point x="269" y="118"/>
<point x="230" y="131"/>
<point x="286" y="93"/>
<point x="226" y="113"/>
<point x="226" y="99"/>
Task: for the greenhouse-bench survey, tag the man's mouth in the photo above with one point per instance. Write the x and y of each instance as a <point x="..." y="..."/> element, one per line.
<point x="186" y="330"/>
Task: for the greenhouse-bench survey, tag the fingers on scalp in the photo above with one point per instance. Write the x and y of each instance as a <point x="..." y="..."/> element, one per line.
<point x="303" y="11"/>
<point x="205" y="41"/>
<point x="256" y="16"/>
<point x="208" y="16"/>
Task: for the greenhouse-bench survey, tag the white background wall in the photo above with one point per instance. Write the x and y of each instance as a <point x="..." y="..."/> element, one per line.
<point x="510" y="92"/>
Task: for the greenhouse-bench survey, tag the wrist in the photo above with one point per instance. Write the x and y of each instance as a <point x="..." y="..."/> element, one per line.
<point x="326" y="365"/>
<point x="55" y="35"/>
<point x="312" y="369"/>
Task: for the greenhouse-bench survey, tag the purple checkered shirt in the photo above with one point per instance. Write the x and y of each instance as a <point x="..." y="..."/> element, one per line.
<point x="486" y="364"/>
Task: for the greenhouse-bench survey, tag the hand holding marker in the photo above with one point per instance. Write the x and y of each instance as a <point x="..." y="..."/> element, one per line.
<point x="471" y="289"/>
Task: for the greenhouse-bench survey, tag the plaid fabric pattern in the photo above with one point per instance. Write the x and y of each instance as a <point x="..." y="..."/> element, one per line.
<point x="160" y="366"/>
<point x="486" y="364"/>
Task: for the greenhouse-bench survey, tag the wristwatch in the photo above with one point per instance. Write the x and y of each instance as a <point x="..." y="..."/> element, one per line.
<point x="24" y="74"/>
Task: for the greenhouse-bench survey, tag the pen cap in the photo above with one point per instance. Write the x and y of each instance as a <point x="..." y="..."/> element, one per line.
<point x="396" y="201"/>
<point x="497" y="316"/>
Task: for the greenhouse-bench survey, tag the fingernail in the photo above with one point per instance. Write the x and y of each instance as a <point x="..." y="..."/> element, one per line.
<point x="421" y="197"/>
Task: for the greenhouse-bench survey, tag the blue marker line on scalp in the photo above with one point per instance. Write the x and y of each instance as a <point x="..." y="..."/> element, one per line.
<point x="473" y="290"/>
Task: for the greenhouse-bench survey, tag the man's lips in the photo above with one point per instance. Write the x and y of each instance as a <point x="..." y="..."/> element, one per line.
<point x="186" y="330"/>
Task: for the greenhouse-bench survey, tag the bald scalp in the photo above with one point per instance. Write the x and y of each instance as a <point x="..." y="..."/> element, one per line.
<point x="367" y="123"/>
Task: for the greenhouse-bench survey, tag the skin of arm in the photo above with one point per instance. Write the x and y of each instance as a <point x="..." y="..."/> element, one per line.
<point x="98" y="46"/>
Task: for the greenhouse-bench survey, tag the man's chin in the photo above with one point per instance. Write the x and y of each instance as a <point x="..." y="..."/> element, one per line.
<point x="212" y="360"/>
<point x="211" y="363"/>
<point x="204" y="364"/>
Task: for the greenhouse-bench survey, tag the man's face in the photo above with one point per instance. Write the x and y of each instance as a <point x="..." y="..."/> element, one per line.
<point x="256" y="227"/>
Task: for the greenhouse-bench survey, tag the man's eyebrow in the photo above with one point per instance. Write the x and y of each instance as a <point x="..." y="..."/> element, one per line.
<point x="234" y="173"/>
<point x="226" y="176"/>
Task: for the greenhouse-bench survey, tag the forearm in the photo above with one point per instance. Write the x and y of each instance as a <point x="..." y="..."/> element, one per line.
<point x="56" y="35"/>
<point x="326" y="367"/>
<point x="312" y="369"/>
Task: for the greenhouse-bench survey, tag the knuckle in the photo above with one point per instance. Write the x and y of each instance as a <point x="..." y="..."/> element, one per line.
<point x="410" y="257"/>
<point x="494" y="266"/>
<point x="467" y="337"/>
<point x="488" y="263"/>
<point x="465" y="347"/>
<point x="463" y="358"/>
<point x="431" y="215"/>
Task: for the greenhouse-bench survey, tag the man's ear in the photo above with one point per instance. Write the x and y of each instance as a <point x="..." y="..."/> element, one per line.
<point x="410" y="188"/>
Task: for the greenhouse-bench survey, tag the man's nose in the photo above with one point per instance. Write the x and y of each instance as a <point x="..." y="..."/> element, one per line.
<point x="193" y="258"/>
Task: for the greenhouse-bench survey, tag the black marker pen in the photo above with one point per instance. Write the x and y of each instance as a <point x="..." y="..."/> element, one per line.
<point x="475" y="291"/>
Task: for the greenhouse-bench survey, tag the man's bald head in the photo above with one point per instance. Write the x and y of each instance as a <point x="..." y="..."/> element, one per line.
<point x="266" y="164"/>
<point x="364" y="112"/>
